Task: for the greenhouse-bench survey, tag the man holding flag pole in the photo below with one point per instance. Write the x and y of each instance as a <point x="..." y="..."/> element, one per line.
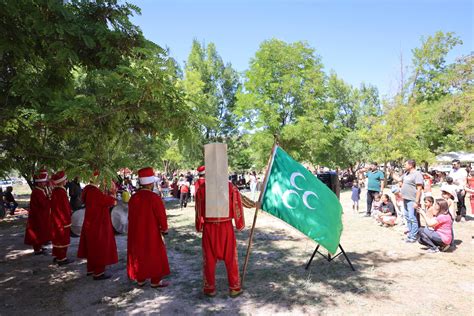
<point x="218" y="202"/>
<point x="296" y="196"/>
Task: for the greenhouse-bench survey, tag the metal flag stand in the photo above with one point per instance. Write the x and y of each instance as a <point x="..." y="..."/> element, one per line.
<point x="330" y="258"/>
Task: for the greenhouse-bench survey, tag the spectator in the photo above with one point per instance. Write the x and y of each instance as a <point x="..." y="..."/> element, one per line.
<point x="470" y="188"/>
<point x="10" y="202"/>
<point x="75" y="192"/>
<point x="184" y="191"/>
<point x="441" y="236"/>
<point x="375" y="184"/>
<point x="253" y="184"/>
<point x="427" y="182"/>
<point x="399" y="203"/>
<point x="459" y="176"/>
<point x="2" y="204"/>
<point x="355" y="195"/>
<point x="387" y="215"/>
<point x="376" y="205"/>
<point x="448" y="193"/>
<point x="429" y="206"/>
<point x="192" y="190"/>
<point x="412" y="186"/>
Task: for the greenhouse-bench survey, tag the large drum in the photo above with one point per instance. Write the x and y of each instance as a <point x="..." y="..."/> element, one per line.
<point x="119" y="216"/>
<point x="77" y="219"/>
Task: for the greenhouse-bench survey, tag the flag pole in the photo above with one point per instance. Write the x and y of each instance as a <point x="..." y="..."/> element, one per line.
<point x="257" y="206"/>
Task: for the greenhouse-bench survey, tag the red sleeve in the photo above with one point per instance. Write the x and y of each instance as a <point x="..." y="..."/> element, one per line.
<point x="160" y="213"/>
<point x="199" y="208"/>
<point x="238" y="210"/>
<point x="106" y="200"/>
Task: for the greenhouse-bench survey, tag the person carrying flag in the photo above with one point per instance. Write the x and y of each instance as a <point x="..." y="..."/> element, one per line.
<point x="218" y="238"/>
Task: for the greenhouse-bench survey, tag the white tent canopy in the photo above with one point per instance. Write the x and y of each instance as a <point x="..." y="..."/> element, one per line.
<point x="460" y="155"/>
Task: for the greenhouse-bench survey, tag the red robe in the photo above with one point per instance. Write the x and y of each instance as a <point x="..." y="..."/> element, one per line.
<point x="146" y="256"/>
<point x="60" y="218"/>
<point x="97" y="243"/>
<point x="235" y="207"/>
<point x="218" y="239"/>
<point x="38" y="226"/>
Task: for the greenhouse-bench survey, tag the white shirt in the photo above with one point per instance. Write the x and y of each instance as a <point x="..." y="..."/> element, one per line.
<point x="459" y="177"/>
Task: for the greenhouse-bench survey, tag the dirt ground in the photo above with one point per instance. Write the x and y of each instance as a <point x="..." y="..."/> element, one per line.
<point x="391" y="277"/>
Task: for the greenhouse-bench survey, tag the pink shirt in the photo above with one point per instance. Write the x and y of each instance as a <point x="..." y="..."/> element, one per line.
<point x="444" y="228"/>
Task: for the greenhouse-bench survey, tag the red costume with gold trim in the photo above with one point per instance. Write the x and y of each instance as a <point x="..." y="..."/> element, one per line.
<point x="38" y="226"/>
<point x="218" y="239"/>
<point x="61" y="222"/>
<point x="146" y="255"/>
<point x="97" y="243"/>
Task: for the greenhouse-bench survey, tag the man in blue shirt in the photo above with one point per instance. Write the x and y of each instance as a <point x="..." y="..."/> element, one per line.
<point x="375" y="183"/>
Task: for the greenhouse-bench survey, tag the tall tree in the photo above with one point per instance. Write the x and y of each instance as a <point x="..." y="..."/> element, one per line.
<point x="80" y="85"/>
<point x="429" y="66"/>
<point x="211" y="87"/>
<point x="284" y="80"/>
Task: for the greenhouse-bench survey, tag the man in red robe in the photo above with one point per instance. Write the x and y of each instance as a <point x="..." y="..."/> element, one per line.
<point x="146" y="251"/>
<point x="201" y="178"/>
<point x="48" y="187"/>
<point x="38" y="226"/>
<point x="97" y="242"/>
<point x="60" y="219"/>
<point x="218" y="239"/>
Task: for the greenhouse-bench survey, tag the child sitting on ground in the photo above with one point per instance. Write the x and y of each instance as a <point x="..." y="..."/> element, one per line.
<point x="376" y="203"/>
<point x="449" y="195"/>
<point x="399" y="203"/>
<point x="387" y="215"/>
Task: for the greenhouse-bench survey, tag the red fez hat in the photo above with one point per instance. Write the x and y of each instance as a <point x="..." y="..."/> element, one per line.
<point x="146" y="176"/>
<point x="201" y="170"/>
<point x="58" y="177"/>
<point x="42" y="177"/>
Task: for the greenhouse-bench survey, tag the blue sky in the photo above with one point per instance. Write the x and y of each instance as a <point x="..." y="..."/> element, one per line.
<point x="360" y="40"/>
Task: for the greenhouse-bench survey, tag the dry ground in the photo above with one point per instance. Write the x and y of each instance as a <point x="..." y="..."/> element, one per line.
<point x="391" y="277"/>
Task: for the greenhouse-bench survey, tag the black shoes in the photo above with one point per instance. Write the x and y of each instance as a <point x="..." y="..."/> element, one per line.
<point x="64" y="262"/>
<point x="103" y="276"/>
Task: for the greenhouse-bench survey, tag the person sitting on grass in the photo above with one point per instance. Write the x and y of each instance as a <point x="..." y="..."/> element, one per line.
<point x="10" y="200"/>
<point x="376" y="203"/>
<point x="442" y="223"/>
<point x="387" y="215"/>
<point x="399" y="203"/>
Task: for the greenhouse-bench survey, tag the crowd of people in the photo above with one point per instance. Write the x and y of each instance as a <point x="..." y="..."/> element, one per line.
<point x="428" y="220"/>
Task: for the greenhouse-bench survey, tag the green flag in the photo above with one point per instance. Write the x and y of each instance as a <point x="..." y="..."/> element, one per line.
<point x="299" y="198"/>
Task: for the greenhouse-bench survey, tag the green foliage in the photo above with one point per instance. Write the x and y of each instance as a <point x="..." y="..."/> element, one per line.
<point x="429" y="63"/>
<point x="211" y="86"/>
<point x="83" y="89"/>
<point x="283" y="80"/>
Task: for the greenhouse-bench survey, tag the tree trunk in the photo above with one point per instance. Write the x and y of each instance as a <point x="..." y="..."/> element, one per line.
<point x="30" y="183"/>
